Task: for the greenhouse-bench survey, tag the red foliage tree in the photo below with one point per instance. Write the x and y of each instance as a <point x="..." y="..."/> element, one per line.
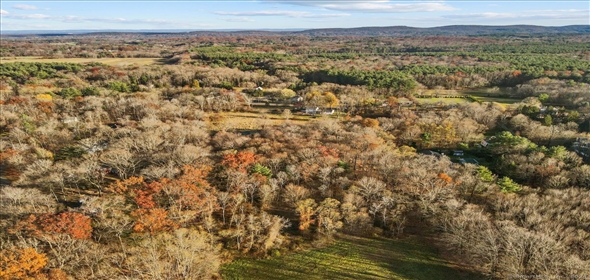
<point x="9" y="171"/>
<point x="45" y="107"/>
<point x="27" y="226"/>
<point x="328" y="152"/>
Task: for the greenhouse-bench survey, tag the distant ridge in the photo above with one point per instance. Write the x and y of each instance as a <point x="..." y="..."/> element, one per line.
<point x="447" y="30"/>
<point x="462" y="30"/>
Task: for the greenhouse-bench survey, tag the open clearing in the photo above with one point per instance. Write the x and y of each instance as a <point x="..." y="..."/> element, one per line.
<point x="447" y="101"/>
<point x="436" y="96"/>
<point x="255" y="120"/>
<point x="498" y="97"/>
<point x="107" y="61"/>
<point x="352" y="258"/>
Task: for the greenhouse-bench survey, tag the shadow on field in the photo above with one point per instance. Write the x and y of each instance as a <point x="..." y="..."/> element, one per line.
<point x="166" y="61"/>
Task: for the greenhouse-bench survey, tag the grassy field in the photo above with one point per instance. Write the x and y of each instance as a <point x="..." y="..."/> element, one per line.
<point x="352" y="258"/>
<point x="482" y="94"/>
<point x="107" y="61"/>
<point x="498" y="97"/>
<point x="253" y="120"/>
<point x="446" y="101"/>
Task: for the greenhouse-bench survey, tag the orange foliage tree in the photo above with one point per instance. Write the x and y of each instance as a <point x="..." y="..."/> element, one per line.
<point x="21" y="264"/>
<point x="144" y="197"/>
<point x="368" y="122"/>
<point x="445" y="178"/>
<point x="122" y="187"/>
<point x="158" y="200"/>
<point x="142" y="192"/>
<point x="77" y="225"/>
<point x="240" y="161"/>
<point x="152" y="220"/>
<point x="191" y="190"/>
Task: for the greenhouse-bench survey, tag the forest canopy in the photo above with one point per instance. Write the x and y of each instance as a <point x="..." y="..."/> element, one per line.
<point x="222" y="148"/>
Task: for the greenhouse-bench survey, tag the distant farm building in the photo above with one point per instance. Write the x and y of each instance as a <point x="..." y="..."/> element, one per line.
<point x="404" y="102"/>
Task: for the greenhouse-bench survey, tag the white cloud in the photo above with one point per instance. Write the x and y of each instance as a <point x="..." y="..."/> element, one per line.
<point x="483" y="15"/>
<point x="327" y="15"/>
<point x="28" y="16"/>
<point x="375" y="6"/>
<point x="527" y="15"/>
<point x="3" y="12"/>
<point x="78" y="19"/>
<point x="238" y="19"/>
<point x="118" y="20"/>
<point x="25" y="7"/>
<point x="382" y="7"/>
<point x="21" y="26"/>
<point x="71" y="18"/>
<point x="85" y="19"/>
<point x="264" y="13"/>
<point x="378" y="7"/>
<point x="558" y="11"/>
<point x="292" y="14"/>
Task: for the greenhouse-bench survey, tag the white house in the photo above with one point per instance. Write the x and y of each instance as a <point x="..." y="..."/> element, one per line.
<point x="312" y="110"/>
<point x="70" y="120"/>
<point x="404" y="102"/>
<point x="296" y="99"/>
<point x="328" y="112"/>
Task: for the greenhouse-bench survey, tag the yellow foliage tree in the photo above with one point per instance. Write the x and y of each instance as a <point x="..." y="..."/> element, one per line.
<point x="44" y="97"/>
<point x="306" y="210"/>
<point x="21" y="264"/>
<point x="326" y="99"/>
<point x="330" y="99"/>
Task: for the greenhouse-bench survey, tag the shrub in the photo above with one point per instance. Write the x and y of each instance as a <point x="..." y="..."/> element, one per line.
<point x="69" y="93"/>
<point x="508" y="186"/>
<point x="262" y="170"/>
<point x="119" y="86"/>
<point x="69" y="152"/>
<point x="90" y="91"/>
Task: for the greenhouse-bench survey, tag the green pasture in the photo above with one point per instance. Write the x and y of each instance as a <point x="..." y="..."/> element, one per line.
<point x="352" y="258"/>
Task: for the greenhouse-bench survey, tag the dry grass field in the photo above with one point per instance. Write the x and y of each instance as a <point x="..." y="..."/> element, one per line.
<point x="252" y="120"/>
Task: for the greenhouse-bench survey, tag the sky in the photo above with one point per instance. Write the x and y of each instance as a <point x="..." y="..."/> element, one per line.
<point x="276" y="14"/>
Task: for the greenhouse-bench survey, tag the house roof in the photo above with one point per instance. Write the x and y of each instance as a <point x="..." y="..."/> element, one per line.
<point x="469" y="160"/>
<point x="431" y="153"/>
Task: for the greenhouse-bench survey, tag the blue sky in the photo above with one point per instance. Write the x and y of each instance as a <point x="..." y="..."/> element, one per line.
<point x="275" y="14"/>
